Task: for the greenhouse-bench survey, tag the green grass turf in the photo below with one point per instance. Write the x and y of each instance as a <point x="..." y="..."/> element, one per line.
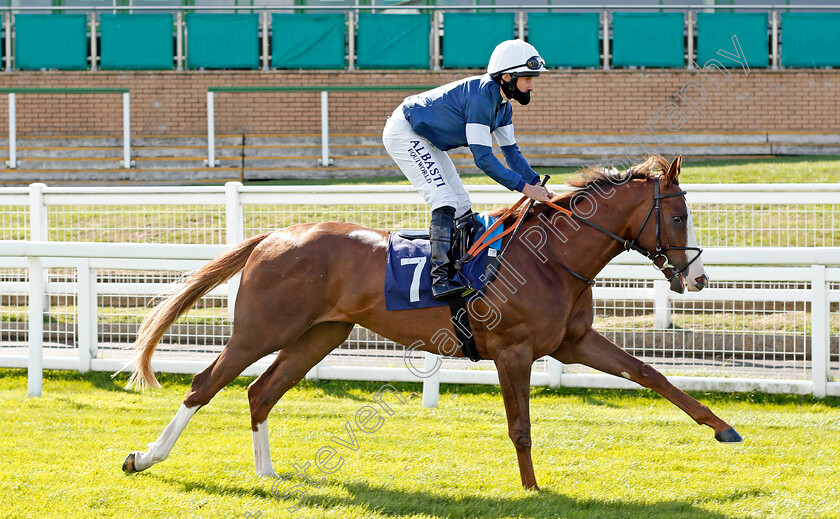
<point x="598" y="454"/>
<point x="782" y="169"/>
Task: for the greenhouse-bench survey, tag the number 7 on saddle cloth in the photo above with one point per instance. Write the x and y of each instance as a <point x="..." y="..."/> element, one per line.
<point x="408" y="282"/>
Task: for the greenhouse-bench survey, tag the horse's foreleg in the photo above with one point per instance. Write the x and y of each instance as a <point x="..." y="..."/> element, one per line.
<point x="598" y="352"/>
<point x="289" y="368"/>
<point x="514" y="367"/>
<point x="227" y="366"/>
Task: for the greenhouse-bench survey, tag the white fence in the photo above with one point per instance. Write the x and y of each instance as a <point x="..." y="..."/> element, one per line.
<point x="725" y="215"/>
<point x="798" y="360"/>
<point x="769" y="320"/>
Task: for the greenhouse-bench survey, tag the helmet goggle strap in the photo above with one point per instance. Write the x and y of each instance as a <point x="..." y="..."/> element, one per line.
<point x="533" y="63"/>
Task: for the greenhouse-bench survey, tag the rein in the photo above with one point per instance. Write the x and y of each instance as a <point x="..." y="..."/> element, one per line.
<point x="631" y="244"/>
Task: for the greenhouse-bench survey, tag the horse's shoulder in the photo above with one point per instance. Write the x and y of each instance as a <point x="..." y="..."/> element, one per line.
<point x="581" y="316"/>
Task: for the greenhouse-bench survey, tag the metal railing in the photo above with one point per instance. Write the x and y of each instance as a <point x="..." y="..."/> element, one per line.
<point x="126" y="118"/>
<point x="352" y="13"/>
<point x="325" y="159"/>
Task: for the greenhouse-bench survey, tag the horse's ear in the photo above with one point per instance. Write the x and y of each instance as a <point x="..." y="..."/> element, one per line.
<point x="673" y="172"/>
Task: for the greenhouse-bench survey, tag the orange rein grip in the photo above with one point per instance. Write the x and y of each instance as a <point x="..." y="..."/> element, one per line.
<point x="480" y="244"/>
<point x="555" y="206"/>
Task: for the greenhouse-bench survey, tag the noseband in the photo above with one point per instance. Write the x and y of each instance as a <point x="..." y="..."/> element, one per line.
<point x="633" y="244"/>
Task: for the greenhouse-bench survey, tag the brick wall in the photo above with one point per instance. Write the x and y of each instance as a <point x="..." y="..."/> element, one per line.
<point x="173" y="103"/>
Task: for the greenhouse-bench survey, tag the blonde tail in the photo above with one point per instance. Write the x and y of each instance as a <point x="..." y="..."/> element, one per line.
<point x="155" y="324"/>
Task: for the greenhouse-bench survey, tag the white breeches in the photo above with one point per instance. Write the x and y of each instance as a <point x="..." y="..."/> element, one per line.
<point x="429" y="169"/>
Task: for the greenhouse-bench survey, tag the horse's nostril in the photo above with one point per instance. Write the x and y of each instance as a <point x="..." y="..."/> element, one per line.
<point x="701" y="281"/>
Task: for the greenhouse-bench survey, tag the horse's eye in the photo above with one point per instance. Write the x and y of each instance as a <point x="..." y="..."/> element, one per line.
<point x="679" y="220"/>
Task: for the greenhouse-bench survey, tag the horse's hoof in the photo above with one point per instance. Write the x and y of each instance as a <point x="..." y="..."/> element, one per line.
<point x="729" y="436"/>
<point x="128" y="465"/>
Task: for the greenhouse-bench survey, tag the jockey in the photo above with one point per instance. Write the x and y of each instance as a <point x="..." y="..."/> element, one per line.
<point x="464" y="113"/>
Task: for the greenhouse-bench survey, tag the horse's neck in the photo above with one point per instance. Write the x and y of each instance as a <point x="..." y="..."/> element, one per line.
<point x="588" y="250"/>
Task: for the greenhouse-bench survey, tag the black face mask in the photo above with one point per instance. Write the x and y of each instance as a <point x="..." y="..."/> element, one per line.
<point x="512" y="92"/>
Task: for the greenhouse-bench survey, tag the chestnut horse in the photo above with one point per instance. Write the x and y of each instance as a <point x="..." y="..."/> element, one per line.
<point x="303" y="288"/>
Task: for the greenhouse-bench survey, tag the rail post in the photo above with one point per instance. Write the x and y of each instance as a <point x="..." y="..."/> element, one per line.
<point x="606" y="40"/>
<point x="689" y="19"/>
<point x="234" y="234"/>
<point x="351" y="40"/>
<point x="435" y="40"/>
<point x="7" y="23"/>
<point x="127" y="162"/>
<point x="431" y="384"/>
<point x="661" y="304"/>
<point x="819" y="330"/>
<point x="35" y="371"/>
<point x="774" y="38"/>
<point x="93" y="50"/>
<point x="265" y="40"/>
<point x="12" y="162"/>
<point x="38" y="231"/>
<point x="179" y="41"/>
<point x="325" y="130"/>
<point x="555" y="372"/>
<point x="37" y="212"/>
<point x="211" y="130"/>
<point x="86" y="315"/>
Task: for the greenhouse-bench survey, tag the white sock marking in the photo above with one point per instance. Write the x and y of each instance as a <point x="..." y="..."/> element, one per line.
<point x="159" y="449"/>
<point x="262" y="451"/>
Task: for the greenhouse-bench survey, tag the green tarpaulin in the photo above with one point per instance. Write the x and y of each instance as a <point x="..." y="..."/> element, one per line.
<point x="223" y="41"/>
<point x="566" y="39"/>
<point x="648" y="40"/>
<point x="716" y="30"/>
<point x="469" y="38"/>
<point x="810" y="40"/>
<point x="56" y="41"/>
<point x="308" y="41"/>
<point x="136" y="41"/>
<point x="393" y="41"/>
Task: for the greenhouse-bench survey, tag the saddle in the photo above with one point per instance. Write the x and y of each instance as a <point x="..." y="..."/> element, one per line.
<point x="467" y="229"/>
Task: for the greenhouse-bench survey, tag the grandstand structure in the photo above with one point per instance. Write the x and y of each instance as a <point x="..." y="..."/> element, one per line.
<point x="191" y="91"/>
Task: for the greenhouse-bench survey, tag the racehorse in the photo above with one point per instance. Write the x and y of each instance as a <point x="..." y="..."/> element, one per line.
<point x="304" y="287"/>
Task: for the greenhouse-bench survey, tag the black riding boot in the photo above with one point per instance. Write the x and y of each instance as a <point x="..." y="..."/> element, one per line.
<point x="440" y="232"/>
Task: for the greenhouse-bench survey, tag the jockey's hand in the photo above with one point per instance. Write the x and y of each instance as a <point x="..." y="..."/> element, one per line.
<point x="538" y="193"/>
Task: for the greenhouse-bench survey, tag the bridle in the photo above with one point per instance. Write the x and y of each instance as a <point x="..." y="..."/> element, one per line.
<point x="633" y="244"/>
<point x="660" y="250"/>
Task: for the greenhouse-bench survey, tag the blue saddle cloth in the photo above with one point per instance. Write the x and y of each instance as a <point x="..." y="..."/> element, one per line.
<point x="408" y="282"/>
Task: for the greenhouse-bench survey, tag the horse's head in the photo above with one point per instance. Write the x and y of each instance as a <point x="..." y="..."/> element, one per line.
<point x="668" y="231"/>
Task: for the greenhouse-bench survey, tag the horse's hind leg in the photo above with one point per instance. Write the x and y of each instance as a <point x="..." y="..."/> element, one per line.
<point x="596" y="351"/>
<point x="227" y="366"/>
<point x="289" y="368"/>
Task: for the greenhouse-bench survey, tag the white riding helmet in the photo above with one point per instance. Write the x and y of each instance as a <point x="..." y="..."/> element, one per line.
<point x="516" y="57"/>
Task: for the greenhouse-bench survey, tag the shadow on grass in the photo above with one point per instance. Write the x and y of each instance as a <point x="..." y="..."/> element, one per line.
<point x="544" y="504"/>
<point x="211" y="487"/>
<point x="346" y="389"/>
<point x="540" y="505"/>
<point x="753" y="397"/>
